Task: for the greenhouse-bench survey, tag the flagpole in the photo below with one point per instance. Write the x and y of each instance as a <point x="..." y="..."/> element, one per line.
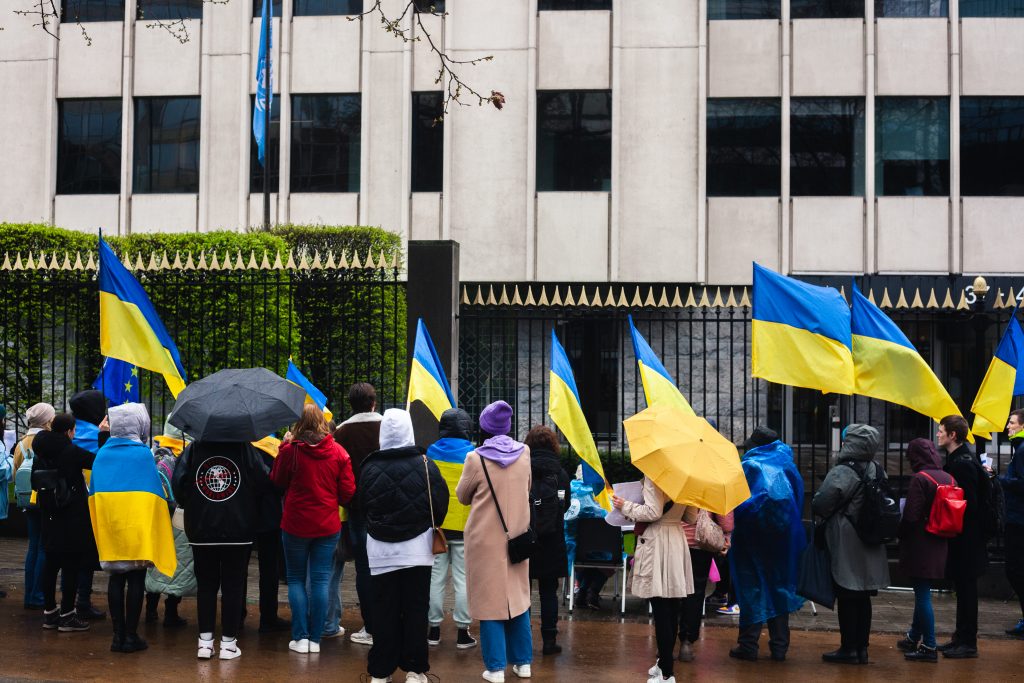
<point x="266" y="117"/>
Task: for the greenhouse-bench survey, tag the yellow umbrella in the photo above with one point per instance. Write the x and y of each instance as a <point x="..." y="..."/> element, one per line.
<point x="687" y="458"/>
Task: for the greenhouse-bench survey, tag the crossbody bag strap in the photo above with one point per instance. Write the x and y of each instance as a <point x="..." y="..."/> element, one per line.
<point x="483" y="464"/>
<point x="430" y="495"/>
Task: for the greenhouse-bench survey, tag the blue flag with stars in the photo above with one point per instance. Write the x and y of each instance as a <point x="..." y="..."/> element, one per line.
<point x="264" y="79"/>
<point x="119" y="382"/>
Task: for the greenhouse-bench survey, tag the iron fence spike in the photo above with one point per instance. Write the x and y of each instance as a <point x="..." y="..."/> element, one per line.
<point x="355" y="260"/>
<point x="745" y="299"/>
<point x="918" y="302"/>
<point x="202" y="261"/>
<point x="291" y="260"/>
<point x="582" y="300"/>
<point x="214" y="262"/>
<point x="569" y="300"/>
<point x="265" y="263"/>
<point x="67" y="262"/>
<point x="317" y="264"/>
<point x="252" y="265"/>
<point x="543" y="301"/>
<point x="278" y="265"/>
<point x="369" y="263"/>
<point x="842" y="293"/>
<point x="730" y="302"/>
<point x="189" y="263"/>
<point x="140" y="265"/>
<point x="1011" y="301"/>
<point x="30" y="263"/>
<point x="331" y="263"/>
<point x="609" y="298"/>
<point x="530" y="301"/>
<point x="649" y="301"/>
<point x="91" y="265"/>
<point x="704" y="301"/>
<point x="503" y="300"/>
<point x="718" y="303"/>
<point x="901" y="301"/>
<point x="595" y="300"/>
<point x="491" y="301"/>
<point x="227" y="263"/>
<point x="164" y="263"/>
<point x="7" y="262"/>
<point x="691" y="301"/>
<point x="239" y="261"/>
<point x="153" y="264"/>
<point x="677" y="302"/>
<point x="871" y="295"/>
<point x="343" y="263"/>
<point x="636" y="302"/>
<point x="18" y="265"/>
<point x="948" y="301"/>
<point x="962" y="304"/>
<point x="303" y="263"/>
<point x="516" y="300"/>
<point x="465" y="296"/>
<point x="78" y="261"/>
<point x="933" y="302"/>
<point x="886" y="301"/>
<point x="479" y="300"/>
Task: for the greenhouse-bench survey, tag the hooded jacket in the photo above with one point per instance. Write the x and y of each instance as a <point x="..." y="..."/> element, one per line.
<point x="219" y="485"/>
<point x="88" y="407"/>
<point x="316" y="479"/>
<point x="449" y="453"/>
<point x="67" y="529"/>
<point x="551" y="559"/>
<point x="1013" y="482"/>
<point x="968" y="552"/>
<point x="922" y="555"/>
<point x="855" y="565"/>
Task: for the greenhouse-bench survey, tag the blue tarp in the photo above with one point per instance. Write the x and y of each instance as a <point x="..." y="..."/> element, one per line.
<point x="769" y="536"/>
<point x="583" y="505"/>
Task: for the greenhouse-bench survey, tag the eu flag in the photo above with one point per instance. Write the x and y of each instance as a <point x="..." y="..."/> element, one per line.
<point x="119" y="382"/>
<point x="264" y="87"/>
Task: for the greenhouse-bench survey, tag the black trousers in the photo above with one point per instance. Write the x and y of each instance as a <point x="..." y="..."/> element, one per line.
<point x="400" y="602"/>
<point x="854" y="612"/>
<point x="966" y="632"/>
<point x="224" y="568"/>
<point x="693" y="604"/>
<point x="1013" y="545"/>
<point x="548" y="589"/>
<point x="67" y="564"/>
<point x="778" y="636"/>
<point x="666" y="613"/>
<point x="268" y="546"/>
<point x="125" y="593"/>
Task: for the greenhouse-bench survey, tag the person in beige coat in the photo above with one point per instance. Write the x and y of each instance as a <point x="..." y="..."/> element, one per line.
<point x="498" y="591"/>
<point x="662" y="571"/>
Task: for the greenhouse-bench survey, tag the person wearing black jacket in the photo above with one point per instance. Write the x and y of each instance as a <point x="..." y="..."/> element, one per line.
<point x="403" y="496"/>
<point x="66" y="530"/>
<point x="968" y="553"/>
<point x="220" y="485"/>
<point x="550" y="561"/>
<point x="268" y="543"/>
<point x="1013" y="536"/>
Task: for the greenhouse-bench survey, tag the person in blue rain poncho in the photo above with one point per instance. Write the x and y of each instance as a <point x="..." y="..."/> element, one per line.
<point x="766" y="545"/>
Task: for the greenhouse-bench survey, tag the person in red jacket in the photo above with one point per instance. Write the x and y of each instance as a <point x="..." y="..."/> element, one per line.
<point x="316" y="476"/>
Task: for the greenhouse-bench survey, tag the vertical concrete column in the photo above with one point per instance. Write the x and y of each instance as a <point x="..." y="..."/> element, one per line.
<point x="531" y="140"/>
<point x="284" y="89"/>
<point x="785" y="202"/>
<point x="205" y="123"/>
<point x="615" y="196"/>
<point x="49" y="176"/>
<point x="127" y="117"/>
<point x="956" y="252"/>
<point x="702" y="141"/>
<point x="245" y="69"/>
<point x="870" y="203"/>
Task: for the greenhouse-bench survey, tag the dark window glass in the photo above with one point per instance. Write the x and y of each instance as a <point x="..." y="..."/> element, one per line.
<point x="911" y="8"/>
<point x="427" y="141"/>
<point x="574" y="140"/>
<point x="826" y="9"/>
<point x="827" y="146"/>
<point x="325" y="143"/>
<point x="273" y="150"/>
<point x="744" y="9"/>
<point x="169" y="10"/>
<point x="546" y="5"/>
<point x="744" y="147"/>
<point x="992" y="146"/>
<point x="166" y="144"/>
<point x="316" y="8"/>
<point x="91" y="10"/>
<point x="89" y="146"/>
<point x="912" y="146"/>
<point x="275" y="8"/>
<point x="433" y="6"/>
<point x="992" y="8"/>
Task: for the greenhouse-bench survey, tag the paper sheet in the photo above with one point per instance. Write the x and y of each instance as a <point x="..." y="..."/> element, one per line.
<point x="628" y="490"/>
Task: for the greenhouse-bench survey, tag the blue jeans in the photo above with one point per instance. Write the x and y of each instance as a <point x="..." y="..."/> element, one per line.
<point x="34" y="559"/>
<point x="332" y="623"/>
<point x="923" y="625"/>
<point x="312" y="557"/>
<point x="506" y="641"/>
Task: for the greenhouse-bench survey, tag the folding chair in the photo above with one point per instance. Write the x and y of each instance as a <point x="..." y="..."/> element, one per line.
<point x="594" y="536"/>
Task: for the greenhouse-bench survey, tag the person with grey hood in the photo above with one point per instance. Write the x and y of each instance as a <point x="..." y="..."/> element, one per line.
<point x="858" y="569"/>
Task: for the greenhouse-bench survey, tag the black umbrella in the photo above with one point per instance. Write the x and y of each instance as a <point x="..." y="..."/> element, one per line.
<point x="237" y="405"/>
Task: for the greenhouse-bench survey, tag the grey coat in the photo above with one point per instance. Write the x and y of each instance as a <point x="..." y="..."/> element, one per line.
<point x="855" y="566"/>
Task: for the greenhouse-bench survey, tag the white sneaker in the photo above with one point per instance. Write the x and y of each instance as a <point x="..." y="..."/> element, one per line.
<point x="374" y="679"/>
<point x="654" y="670"/>
<point x="413" y="677"/>
<point x="230" y="650"/>
<point x="300" y="646"/>
<point x="314" y="648"/>
<point x="659" y="679"/>
<point x="494" y="676"/>
<point x="205" y="649"/>
<point x="361" y="637"/>
<point x="522" y="670"/>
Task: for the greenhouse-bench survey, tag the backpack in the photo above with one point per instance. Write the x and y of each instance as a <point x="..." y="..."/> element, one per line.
<point x="23" y="478"/>
<point x="545" y="508"/>
<point x="946" y="518"/>
<point x="878" y="519"/>
<point x="994" y="514"/>
<point x="52" y="490"/>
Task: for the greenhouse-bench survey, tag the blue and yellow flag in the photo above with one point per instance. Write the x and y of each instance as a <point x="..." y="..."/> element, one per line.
<point x="886" y="365"/>
<point x="567" y="413"/>
<point x="1003" y="380"/>
<point x="449" y="454"/>
<point x="130" y="329"/>
<point x="801" y="334"/>
<point x="659" y="387"/>
<point x="427" y="381"/>
<point x="127" y="507"/>
<point x="119" y="382"/>
<point x="313" y="395"/>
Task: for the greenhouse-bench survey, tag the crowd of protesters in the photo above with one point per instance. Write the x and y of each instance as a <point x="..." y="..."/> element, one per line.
<point x="364" y="491"/>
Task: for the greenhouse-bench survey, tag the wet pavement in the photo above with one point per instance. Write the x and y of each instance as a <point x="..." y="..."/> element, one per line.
<point x="598" y="646"/>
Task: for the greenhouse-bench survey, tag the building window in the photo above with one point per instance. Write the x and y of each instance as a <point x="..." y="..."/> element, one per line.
<point x="827" y="147"/>
<point x="325" y="143"/>
<point x="991" y="146"/>
<point x="431" y="6"/>
<point x="427" y="141"/>
<point x="744" y="147"/>
<point x="912" y="8"/>
<point x="991" y="8"/>
<point x="169" y="10"/>
<point x="89" y="146"/>
<point x="744" y="9"/>
<point x="546" y="5"/>
<point x="273" y="150"/>
<point x="593" y="346"/>
<point x="166" y="145"/>
<point x="319" y="8"/>
<point x="912" y="146"/>
<point x="826" y="9"/>
<point x="82" y="11"/>
<point x="574" y="140"/>
<point x="275" y="8"/>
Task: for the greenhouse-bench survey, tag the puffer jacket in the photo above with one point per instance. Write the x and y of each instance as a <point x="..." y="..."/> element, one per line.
<point x="392" y="494"/>
<point x="1013" y="482"/>
<point x="183" y="583"/>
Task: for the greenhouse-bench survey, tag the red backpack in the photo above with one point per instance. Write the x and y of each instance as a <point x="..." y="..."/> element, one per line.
<point x="946" y="518"/>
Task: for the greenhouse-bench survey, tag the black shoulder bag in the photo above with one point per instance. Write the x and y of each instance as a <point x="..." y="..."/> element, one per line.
<point x="522" y="546"/>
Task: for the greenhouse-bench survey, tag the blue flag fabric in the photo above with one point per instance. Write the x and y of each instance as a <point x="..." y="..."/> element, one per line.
<point x="119" y="382"/>
<point x="264" y="81"/>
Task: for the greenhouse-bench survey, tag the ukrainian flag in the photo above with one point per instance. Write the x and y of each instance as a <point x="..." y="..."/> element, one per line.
<point x="659" y="387"/>
<point x="313" y="395"/>
<point x="450" y="457"/>
<point x="130" y="329"/>
<point x="127" y="507"/>
<point x="887" y="366"/>
<point x="427" y="381"/>
<point x="1003" y="380"/>
<point x="801" y="334"/>
<point x="567" y="413"/>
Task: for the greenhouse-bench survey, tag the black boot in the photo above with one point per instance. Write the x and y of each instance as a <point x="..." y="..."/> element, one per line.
<point x="133" y="643"/>
<point x="923" y="654"/>
<point x="550" y="646"/>
<point x="152" y="602"/>
<point x="171" y="618"/>
<point x="842" y="656"/>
